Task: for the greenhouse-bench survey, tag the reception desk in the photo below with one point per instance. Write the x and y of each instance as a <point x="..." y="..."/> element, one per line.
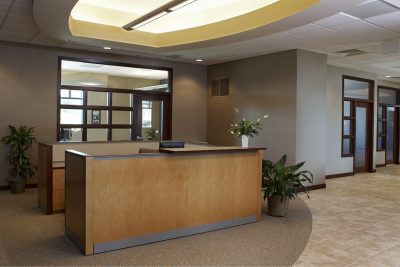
<point x="118" y="201"/>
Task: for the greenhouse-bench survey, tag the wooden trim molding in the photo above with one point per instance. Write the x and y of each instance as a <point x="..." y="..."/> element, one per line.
<point x="339" y="175"/>
<point x="27" y="186"/>
<point x="313" y="187"/>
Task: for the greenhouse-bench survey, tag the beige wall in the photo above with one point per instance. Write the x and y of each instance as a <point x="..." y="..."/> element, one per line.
<point x="259" y="85"/>
<point x="311" y="113"/>
<point x="28" y="90"/>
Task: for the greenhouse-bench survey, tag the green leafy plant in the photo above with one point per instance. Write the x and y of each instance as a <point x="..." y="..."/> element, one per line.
<point x="20" y="140"/>
<point x="246" y="127"/>
<point x="151" y="134"/>
<point x="284" y="181"/>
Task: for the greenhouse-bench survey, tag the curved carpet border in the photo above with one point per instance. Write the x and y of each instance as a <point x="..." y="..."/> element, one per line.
<point x="30" y="238"/>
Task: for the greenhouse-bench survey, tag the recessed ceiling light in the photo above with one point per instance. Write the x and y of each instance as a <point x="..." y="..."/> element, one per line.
<point x="199" y="60"/>
<point x="388" y="76"/>
<point x="107" y="48"/>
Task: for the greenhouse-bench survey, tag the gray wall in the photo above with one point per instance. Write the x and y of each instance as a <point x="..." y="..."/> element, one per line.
<point x="311" y="113"/>
<point x="258" y="86"/>
<point x="291" y="88"/>
<point x="28" y="78"/>
<point x="335" y="163"/>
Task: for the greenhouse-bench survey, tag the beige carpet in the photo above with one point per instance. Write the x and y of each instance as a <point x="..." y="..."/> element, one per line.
<point x="27" y="237"/>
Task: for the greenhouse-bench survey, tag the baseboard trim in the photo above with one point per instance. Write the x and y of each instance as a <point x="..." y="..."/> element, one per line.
<point x="7" y="187"/>
<point x="339" y="175"/>
<point x="380" y="165"/>
<point x="312" y="187"/>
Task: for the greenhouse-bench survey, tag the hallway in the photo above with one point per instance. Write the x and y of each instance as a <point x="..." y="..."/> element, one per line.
<point x="356" y="221"/>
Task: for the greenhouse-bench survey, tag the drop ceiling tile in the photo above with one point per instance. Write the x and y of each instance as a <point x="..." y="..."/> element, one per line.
<point x="306" y="28"/>
<point x="42" y="39"/>
<point x="371" y="9"/>
<point x="388" y="21"/>
<point x="14" y="37"/>
<point x="20" y="20"/>
<point x="23" y="2"/>
<point x="23" y="11"/>
<point x="365" y="30"/>
<point x="331" y="36"/>
<point x="28" y="29"/>
<point x="4" y="7"/>
<point x="334" y="20"/>
<point x="295" y="41"/>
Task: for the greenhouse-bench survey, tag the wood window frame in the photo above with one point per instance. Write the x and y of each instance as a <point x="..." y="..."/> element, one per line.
<point x="133" y="109"/>
<point x="370" y="118"/>
<point x="396" y="133"/>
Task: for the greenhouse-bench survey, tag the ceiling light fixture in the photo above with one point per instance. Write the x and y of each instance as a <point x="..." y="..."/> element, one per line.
<point x="107" y="48"/>
<point x="157" y="13"/>
<point x="388" y="76"/>
<point x="199" y="60"/>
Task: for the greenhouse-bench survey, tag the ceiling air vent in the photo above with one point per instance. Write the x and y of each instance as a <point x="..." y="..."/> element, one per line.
<point x="220" y="87"/>
<point x="350" y="52"/>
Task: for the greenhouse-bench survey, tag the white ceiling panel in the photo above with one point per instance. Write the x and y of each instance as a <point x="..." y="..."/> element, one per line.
<point x="389" y="21"/>
<point x="4" y="7"/>
<point x="334" y="20"/>
<point x="14" y="37"/>
<point x="371" y="9"/>
<point x="365" y="30"/>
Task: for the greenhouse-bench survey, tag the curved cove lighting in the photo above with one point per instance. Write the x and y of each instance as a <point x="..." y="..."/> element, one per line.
<point x="167" y="23"/>
<point x="184" y="15"/>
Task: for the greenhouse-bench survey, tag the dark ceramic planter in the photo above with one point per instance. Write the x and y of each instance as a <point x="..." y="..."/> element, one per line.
<point x="17" y="185"/>
<point x="278" y="208"/>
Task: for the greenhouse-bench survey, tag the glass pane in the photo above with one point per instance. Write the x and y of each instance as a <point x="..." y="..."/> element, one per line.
<point x="121" y="134"/>
<point x="121" y="100"/>
<point x="346" y="146"/>
<point x="380" y="112"/>
<point x="71" y="116"/>
<point x="152" y="120"/>
<point x="387" y="96"/>
<point x="347" y="127"/>
<point x="347" y="108"/>
<point x="389" y="133"/>
<point x="71" y="97"/>
<point x="97" y="117"/>
<point x="97" y="134"/>
<point x="356" y="89"/>
<point x="121" y="117"/>
<point x="71" y="134"/>
<point x="361" y="129"/>
<point x="380" y="143"/>
<point x="111" y="76"/>
<point x="380" y="127"/>
<point x="97" y="98"/>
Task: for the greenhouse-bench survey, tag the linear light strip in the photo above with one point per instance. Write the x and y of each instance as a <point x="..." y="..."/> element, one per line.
<point x="157" y="13"/>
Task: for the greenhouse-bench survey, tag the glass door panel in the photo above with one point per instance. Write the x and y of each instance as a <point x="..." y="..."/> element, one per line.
<point x="390" y="134"/>
<point x="152" y="117"/>
<point x="361" y="129"/>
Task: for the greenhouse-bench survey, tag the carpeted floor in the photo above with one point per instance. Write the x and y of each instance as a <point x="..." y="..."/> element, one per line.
<point x="27" y="237"/>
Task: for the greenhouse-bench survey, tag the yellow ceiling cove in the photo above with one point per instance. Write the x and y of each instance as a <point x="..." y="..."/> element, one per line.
<point x="199" y="21"/>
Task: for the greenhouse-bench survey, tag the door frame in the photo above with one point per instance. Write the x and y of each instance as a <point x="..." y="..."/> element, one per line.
<point x="368" y="136"/>
<point x="396" y="133"/>
<point x="167" y="111"/>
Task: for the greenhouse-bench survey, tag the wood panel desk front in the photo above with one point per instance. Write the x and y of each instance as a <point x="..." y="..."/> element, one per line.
<point x="114" y="202"/>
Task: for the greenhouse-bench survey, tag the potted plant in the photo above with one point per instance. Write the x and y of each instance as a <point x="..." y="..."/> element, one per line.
<point x="21" y="167"/>
<point x="152" y="134"/>
<point x="281" y="183"/>
<point x="246" y="128"/>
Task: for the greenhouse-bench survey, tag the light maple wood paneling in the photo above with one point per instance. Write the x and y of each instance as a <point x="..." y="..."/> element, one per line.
<point x="58" y="179"/>
<point x="44" y="174"/>
<point x="138" y="196"/>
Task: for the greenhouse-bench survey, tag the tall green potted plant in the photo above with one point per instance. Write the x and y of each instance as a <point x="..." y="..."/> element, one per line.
<point x="281" y="183"/>
<point x="21" y="166"/>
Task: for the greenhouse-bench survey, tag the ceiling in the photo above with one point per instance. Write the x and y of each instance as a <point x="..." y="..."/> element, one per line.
<point x="372" y="27"/>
